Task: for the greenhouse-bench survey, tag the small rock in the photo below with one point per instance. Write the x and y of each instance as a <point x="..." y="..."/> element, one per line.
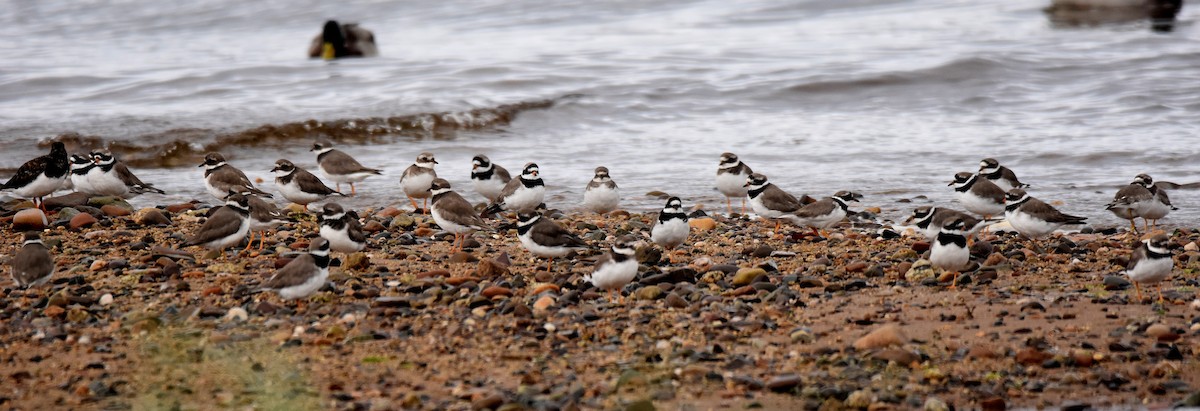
<point x="994" y="260"/>
<point x="746" y="276"/>
<point x="496" y="291"/>
<point x="113" y="210"/>
<point x="99" y="265"/>
<point x="784" y="383"/>
<point x="921" y="270"/>
<point x="803" y="335"/>
<point x="491" y="269"/>
<point x="887" y="335"/>
<point x="762" y="251"/>
<point x="237" y="314"/>
<point x="1032" y="356"/>
<point x="902" y="357"/>
<point x="434" y="274"/>
<point x="648" y="255"/>
<point x="488" y="402"/>
<point x="151" y="216"/>
<point x="1114" y="282"/>
<point x="543" y="303"/>
<point x="702" y="224"/>
<point x="54" y="311"/>
<point x="935" y="404"/>
<point x="175" y="208"/>
<point x="859" y="399"/>
<point x="81" y="220"/>
<point x="29" y="219"/>
<point x="675" y="301"/>
<point x="856" y="267"/>
<point x="545" y="287"/>
<point x="650" y="292"/>
<point x="357" y="261"/>
<point x="809" y="282"/>
<point x="463" y="257"/>
<point x="373" y="227"/>
<point x="993" y="404"/>
<point x="106" y="299"/>
<point x="1161" y="332"/>
<point x="982" y="350"/>
<point x="920" y="246"/>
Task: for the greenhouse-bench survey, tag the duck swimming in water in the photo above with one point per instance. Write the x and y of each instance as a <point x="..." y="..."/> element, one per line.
<point x="343" y="40"/>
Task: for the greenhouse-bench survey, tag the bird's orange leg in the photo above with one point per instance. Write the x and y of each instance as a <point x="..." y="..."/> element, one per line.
<point x="1138" y="288"/>
<point x="351" y="189"/>
<point x="249" y="242"/>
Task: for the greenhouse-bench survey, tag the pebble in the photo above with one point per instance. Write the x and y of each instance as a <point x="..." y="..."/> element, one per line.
<point x="373" y="227"/>
<point x="545" y="287"/>
<point x="703" y="224"/>
<point x="1161" y="332"/>
<point x="496" y="291"/>
<point x="887" y="335"/>
<point x="237" y="314"/>
<point x="746" y="276"/>
<point x="762" y="251"/>
<point x="113" y="210"/>
<point x="675" y="301"/>
<point x="1114" y="282"/>
<point x="106" y="299"/>
<point x="920" y="270"/>
<point x="151" y="216"/>
<point x="809" y="281"/>
<point x="357" y="261"/>
<point x="902" y="357"/>
<point x="434" y="273"/>
<point x="993" y="404"/>
<point x="650" y="292"/>
<point x="176" y="208"/>
<point x="859" y="399"/>
<point x="784" y="383"/>
<point x="935" y="404"/>
<point x="491" y="269"/>
<point x="98" y="265"/>
<point x="30" y="219"/>
<point x="856" y="267"/>
<point x="81" y="220"/>
<point x="1032" y="356"/>
<point x="920" y="246"/>
<point x="543" y="303"/>
<point x="463" y="257"/>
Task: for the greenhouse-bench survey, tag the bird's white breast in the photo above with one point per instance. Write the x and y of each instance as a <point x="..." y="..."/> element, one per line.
<point x="525" y="198"/>
<point x="614" y="275"/>
<point x="670" y="233"/>
<point x="949" y="257"/>
<point x="307" y="288"/>
<point x="1151" y="270"/>
<point x="601" y="199"/>
<point x="339" y="240"/>
<point x="732" y="184"/>
<point x="541" y="250"/>
<point x="979" y="205"/>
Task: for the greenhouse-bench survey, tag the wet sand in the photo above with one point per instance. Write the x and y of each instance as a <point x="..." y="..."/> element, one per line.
<point x="129" y="322"/>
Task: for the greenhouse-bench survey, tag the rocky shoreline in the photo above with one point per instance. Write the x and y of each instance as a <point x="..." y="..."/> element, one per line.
<point x="745" y="320"/>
